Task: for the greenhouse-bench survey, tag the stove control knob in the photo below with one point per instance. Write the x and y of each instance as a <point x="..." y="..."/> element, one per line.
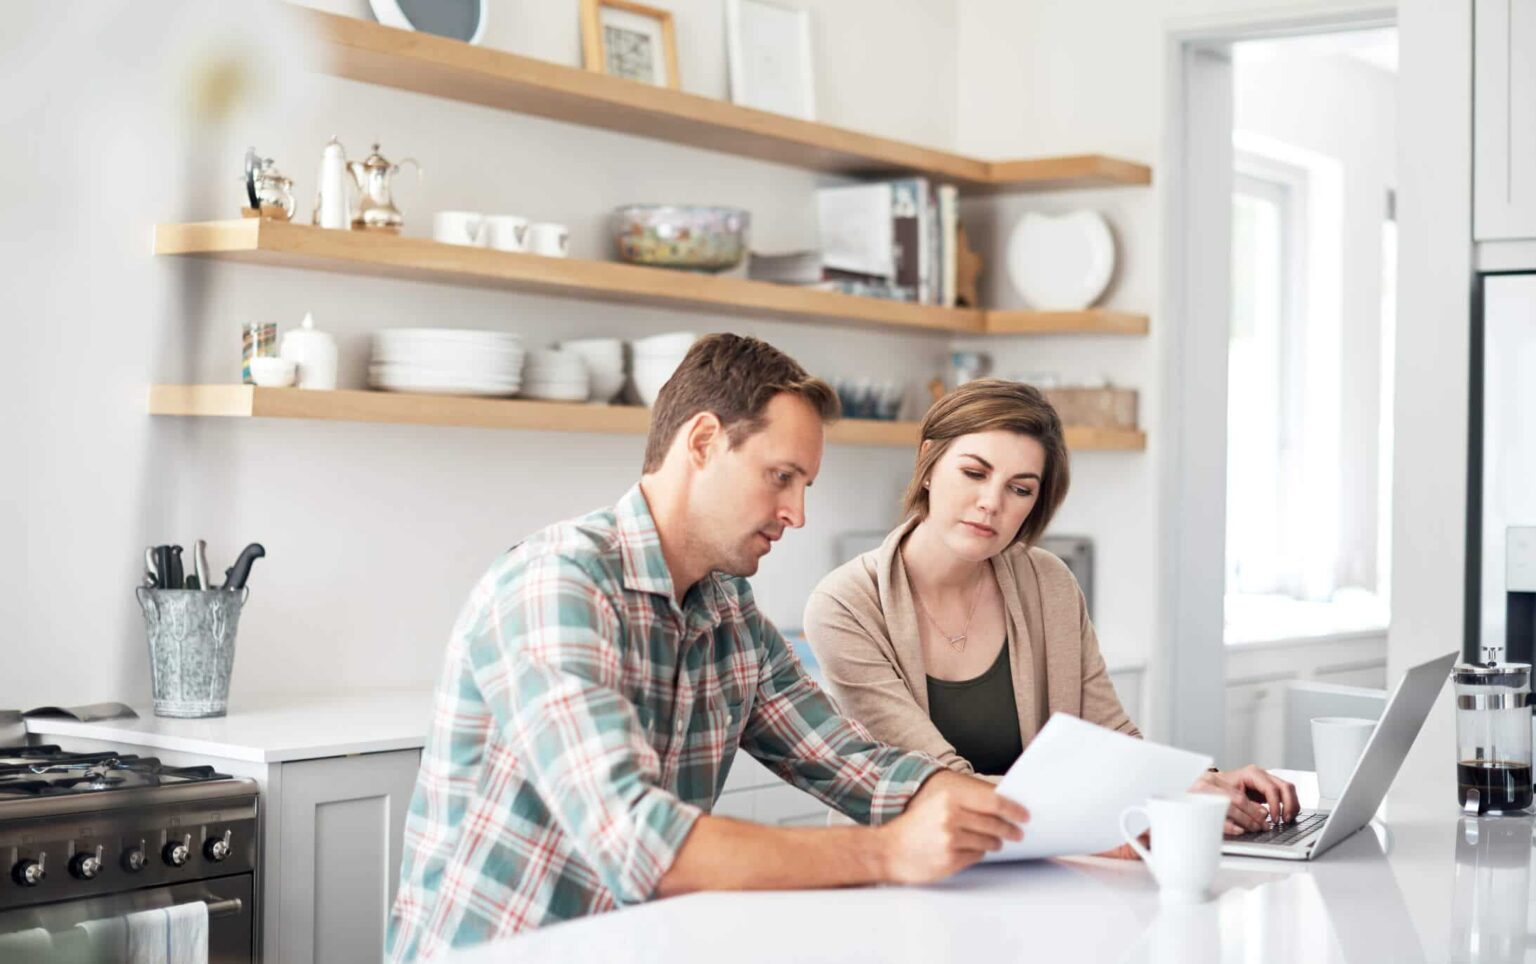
<point x="217" y="848"/>
<point x="86" y="866"/>
<point x="177" y="851"/>
<point x="133" y="858"/>
<point x="30" y="873"/>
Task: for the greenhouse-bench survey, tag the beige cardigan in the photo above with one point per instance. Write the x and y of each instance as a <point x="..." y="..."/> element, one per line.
<point x="862" y="625"/>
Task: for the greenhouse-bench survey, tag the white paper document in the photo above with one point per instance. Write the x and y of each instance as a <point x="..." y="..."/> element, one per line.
<point x="1076" y="778"/>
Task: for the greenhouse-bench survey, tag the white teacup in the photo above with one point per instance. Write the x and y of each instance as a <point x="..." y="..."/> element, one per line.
<point x="506" y="232"/>
<point x="1337" y="743"/>
<point x="1186" y="843"/>
<point x="459" y="227"/>
<point x="550" y="239"/>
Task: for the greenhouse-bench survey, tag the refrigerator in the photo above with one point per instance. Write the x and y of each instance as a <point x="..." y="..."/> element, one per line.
<point x="1501" y="529"/>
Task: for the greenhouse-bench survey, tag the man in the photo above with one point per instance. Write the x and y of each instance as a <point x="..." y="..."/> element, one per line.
<point x="603" y="673"/>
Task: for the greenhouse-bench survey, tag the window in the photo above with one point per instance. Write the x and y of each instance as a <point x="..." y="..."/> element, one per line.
<point x="1297" y="563"/>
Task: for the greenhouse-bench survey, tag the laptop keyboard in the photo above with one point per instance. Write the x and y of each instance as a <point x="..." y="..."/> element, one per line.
<point x="1305" y="825"/>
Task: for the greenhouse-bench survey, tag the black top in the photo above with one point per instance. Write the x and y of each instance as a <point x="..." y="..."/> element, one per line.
<point x="979" y="717"/>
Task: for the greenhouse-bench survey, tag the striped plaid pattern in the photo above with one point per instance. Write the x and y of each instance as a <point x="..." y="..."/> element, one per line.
<point x="584" y="721"/>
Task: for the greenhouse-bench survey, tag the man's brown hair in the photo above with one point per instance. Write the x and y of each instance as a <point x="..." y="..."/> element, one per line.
<point x="735" y="377"/>
<point x="989" y="405"/>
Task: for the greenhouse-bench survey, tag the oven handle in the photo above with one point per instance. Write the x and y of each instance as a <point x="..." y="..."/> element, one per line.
<point x="224" y="908"/>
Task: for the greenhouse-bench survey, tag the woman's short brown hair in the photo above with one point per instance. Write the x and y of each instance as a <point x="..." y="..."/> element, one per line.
<point x="990" y="405"/>
<point x="735" y="377"/>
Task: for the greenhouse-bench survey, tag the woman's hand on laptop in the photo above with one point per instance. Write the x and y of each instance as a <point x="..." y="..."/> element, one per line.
<point x="1249" y="789"/>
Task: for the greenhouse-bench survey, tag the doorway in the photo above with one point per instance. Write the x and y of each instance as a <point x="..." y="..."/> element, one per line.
<point x="1281" y="270"/>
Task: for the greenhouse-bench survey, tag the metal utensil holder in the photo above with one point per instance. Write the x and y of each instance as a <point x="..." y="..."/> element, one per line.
<point x="191" y="648"/>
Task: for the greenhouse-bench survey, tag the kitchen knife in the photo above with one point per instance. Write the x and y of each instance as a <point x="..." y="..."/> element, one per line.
<point x="236" y="575"/>
<point x="178" y="577"/>
<point x="200" y="563"/>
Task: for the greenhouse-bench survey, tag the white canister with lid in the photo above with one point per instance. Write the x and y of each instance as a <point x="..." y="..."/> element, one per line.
<point x="314" y="352"/>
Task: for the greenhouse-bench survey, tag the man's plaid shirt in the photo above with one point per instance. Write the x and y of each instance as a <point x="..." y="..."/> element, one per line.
<point x="584" y="721"/>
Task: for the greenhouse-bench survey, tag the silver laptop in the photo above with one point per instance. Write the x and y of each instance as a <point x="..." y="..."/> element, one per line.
<point x="1313" y="833"/>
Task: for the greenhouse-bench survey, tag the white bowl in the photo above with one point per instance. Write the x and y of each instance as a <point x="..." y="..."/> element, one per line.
<point x="274" y="372"/>
<point x="597" y="351"/>
<point x="554" y="360"/>
<point x="576" y="392"/>
<point x="673" y="343"/>
<point x="648" y="382"/>
<point x="605" y="385"/>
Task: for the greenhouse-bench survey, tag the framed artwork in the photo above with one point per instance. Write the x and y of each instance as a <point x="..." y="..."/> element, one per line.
<point x="629" y="40"/>
<point x="769" y="47"/>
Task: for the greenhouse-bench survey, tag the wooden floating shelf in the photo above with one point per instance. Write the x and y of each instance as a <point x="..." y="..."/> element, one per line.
<point x="1089" y="321"/>
<point x="425" y="64"/>
<point x="248" y="401"/>
<point x="261" y="241"/>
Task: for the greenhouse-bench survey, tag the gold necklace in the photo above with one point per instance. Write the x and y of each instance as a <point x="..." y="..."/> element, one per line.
<point x="957" y="643"/>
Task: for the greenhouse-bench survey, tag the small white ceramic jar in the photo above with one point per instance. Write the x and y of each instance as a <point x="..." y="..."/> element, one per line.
<point x="314" y="352"/>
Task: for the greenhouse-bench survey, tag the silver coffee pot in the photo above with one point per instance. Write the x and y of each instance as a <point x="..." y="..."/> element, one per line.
<point x="376" y="209"/>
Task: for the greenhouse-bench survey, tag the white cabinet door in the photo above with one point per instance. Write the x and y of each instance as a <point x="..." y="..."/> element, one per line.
<point x="1504" y="120"/>
<point x="342" y="823"/>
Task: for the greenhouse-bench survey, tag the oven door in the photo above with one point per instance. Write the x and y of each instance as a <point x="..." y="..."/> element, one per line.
<point x="48" y="933"/>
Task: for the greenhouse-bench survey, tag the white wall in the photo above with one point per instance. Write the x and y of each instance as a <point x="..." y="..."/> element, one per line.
<point x="374" y="532"/>
<point x="1432" y="370"/>
<point x="1337" y="106"/>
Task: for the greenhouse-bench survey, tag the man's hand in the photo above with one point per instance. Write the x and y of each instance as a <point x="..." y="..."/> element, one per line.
<point x="1248" y="789"/>
<point x="950" y="823"/>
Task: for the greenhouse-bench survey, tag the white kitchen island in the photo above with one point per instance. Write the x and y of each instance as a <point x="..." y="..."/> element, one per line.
<point x="1430" y="886"/>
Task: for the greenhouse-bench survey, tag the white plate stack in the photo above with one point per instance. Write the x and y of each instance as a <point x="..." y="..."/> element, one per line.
<point x="552" y="375"/>
<point x="447" y="361"/>
<point x="605" y="365"/>
<point x="656" y="358"/>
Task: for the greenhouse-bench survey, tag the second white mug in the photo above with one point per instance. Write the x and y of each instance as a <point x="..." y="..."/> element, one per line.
<point x="1337" y="744"/>
<point x="548" y="238"/>
<point x="506" y="232"/>
<point x="1186" y="843"/>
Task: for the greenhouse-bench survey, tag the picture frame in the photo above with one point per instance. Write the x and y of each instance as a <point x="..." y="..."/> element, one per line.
<point x="770" y="55"/>
<point x="621" y="38"/>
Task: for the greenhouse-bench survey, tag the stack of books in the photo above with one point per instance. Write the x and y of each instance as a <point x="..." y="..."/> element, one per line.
<point x="890" y="239"/>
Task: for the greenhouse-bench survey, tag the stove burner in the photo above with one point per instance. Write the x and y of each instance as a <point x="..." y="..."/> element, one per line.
<point x="36" y="771"/>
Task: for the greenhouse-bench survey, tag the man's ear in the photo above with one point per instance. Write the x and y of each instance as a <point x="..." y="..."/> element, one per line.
<point x="699" y="437"/>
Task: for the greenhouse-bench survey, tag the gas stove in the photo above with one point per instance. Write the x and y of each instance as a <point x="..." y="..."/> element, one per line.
<point x="86" y="836"/>
<point x="47" y="771"/>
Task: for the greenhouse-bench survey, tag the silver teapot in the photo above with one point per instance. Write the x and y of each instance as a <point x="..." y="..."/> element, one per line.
<point x="376" y="209"/>
<point x="269" y="192"/>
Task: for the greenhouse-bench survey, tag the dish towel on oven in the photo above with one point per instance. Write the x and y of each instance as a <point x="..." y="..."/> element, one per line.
<point x="165" y="935"/>
<point x="32" y="944"/>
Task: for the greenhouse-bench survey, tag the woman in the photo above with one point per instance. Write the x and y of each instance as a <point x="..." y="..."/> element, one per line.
<point x="957" y="636"/>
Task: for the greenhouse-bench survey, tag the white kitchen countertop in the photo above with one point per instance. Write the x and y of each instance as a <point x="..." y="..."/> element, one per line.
<point x="276" y="727"/>
<point x="271" y="728"/>
<point x="1426" y="886"/>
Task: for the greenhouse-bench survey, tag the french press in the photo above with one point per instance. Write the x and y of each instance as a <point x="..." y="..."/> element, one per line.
<point x="1493" y="737"/>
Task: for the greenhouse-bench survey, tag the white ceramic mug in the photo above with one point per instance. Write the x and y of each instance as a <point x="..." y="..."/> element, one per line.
<point x="1186" y="843"/>
<point x="1337" y="742"/>
<point x="506" y="232"/>
<point x="550" y="239"/>
<point x="459" y="227"/>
